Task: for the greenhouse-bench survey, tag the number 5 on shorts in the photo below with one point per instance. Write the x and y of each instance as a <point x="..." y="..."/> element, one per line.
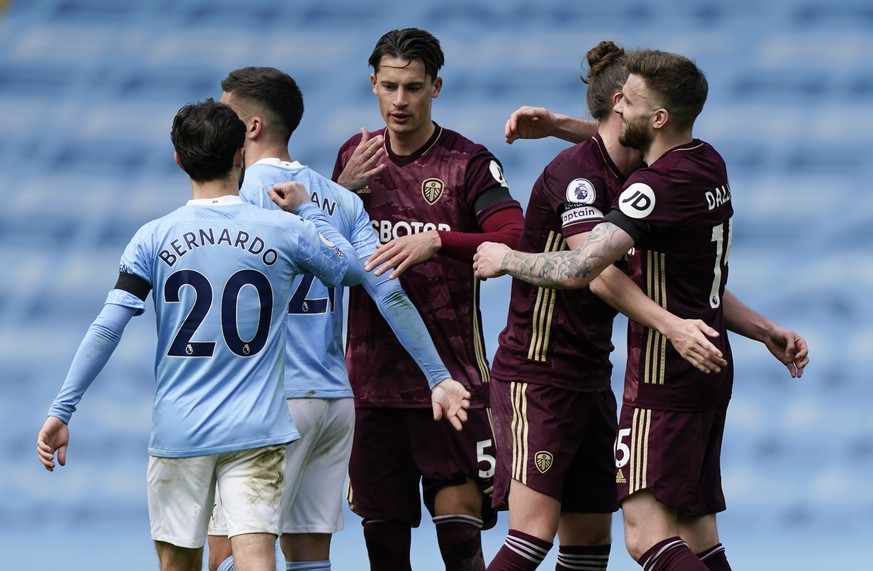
<point x="621" y="448"/>
<point x="483" y="456"/>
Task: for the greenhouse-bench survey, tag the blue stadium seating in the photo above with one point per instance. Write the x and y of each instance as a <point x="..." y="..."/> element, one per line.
<point x="88" y="89"/>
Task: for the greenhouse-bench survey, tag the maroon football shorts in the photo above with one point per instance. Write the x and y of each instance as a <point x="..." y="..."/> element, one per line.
<point x="395" y="450"/>
<point x="675" y="455"/>
<point x="557" y="442"/>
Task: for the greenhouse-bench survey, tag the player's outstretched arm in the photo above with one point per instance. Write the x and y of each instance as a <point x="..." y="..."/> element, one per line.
<point x="786" y="345"/>
<point x="450" y="400"/>
<point x="538" y="122"/>
<point x="574" y="269"/>
<point x="54" y="436"/>
<point x="449" y="397"/>
<point x="503" y="226"/>
<point x="363" y="165"/>
<point x="688" y="336"/>
<point x="401" y="253"/>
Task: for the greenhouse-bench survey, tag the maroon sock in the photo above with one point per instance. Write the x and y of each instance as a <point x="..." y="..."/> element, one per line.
<point x="671" y="554"/>
<point x="460" y="541"/>
<point x="388" y="544"/>
<point x="589" y="557"/>
<point x="715" y="559"/>
<point x="520" y="552"/>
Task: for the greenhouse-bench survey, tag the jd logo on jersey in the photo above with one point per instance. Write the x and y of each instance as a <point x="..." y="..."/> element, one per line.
<point x="432" y="190"/>
<point x="544" y="461"/>
<point x="637" y="201"/>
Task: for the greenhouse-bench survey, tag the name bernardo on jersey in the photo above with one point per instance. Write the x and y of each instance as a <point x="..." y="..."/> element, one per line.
<point x="206" y="237"/>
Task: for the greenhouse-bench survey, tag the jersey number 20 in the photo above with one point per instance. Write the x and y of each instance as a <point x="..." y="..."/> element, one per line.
<point x="183" y="346"/>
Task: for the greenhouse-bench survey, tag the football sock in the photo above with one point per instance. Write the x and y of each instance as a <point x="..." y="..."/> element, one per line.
<point x="388" y="544"/>
<point x="520" y="552"/>
<point x="307" y="565"/>
<point x="227" y="565"/>
<point x="588" y="557"/>
<point x="671" y="554"/>
<point x="715" y="558"/>
<point x="460" y="541"/>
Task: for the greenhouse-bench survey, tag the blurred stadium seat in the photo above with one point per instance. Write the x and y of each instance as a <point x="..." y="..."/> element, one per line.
<point x="88" y="89"/>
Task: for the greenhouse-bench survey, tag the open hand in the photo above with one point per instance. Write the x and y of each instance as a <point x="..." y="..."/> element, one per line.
<point x="450" y="400"/>
<point x="404" y="252"/>
<point x="363" y="165"/>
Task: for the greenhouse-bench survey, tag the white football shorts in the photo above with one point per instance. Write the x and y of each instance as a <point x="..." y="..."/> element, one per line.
<point x="181" y="494"/>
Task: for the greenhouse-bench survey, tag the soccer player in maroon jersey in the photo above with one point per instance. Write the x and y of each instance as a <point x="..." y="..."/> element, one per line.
<point x="433" y="197"/>
<point x="551" y="397"/>
<point x="676" y="212"/>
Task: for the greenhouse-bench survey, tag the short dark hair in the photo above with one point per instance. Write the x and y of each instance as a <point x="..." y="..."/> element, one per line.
<point x="678" y="84"/>
<point x="410" y="44"/>
<point x="268" y="90"/>
<point x="206" y="136"/>
<point x="606" y="75"/>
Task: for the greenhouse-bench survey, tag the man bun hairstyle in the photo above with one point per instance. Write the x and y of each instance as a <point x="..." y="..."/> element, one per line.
<point x="606" y="75"/>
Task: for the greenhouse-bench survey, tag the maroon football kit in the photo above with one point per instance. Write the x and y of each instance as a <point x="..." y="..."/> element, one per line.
<point x="438" y="187"/>
<point x="434" y="188"/>
<point x="554" y="410"/>
<point x="678" y="210"/>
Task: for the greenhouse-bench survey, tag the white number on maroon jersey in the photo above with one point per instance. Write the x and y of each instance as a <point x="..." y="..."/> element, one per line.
<point x="721" y="235"/>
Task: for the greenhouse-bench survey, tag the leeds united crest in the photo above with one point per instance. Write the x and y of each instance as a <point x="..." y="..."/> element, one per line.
<point x="543" y="461"/>
<point x="432" y="190"/>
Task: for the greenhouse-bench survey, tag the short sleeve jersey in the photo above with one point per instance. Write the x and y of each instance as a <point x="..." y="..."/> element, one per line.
<point x="562" y="337"/>
<point x="679" y="208"/>
<point x="314" y="358"/>
<point x="221" y="276"/>
<point x="434" y="188"/>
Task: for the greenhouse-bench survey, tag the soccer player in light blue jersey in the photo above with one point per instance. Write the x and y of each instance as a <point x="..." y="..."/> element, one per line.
<point x="317" y="385"/>
<point x="221" y="272"/>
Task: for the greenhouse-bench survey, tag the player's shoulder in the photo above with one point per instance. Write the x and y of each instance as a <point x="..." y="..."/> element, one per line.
<point x="581" y="155"/>
<point x="455" y="141"/>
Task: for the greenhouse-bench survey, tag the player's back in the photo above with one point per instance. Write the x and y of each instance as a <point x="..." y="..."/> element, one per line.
<point x="221" y="272"/>
<point x="315" y="359"/>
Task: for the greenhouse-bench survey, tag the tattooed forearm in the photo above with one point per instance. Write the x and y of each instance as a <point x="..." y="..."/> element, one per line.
<point x="574" y="269"/>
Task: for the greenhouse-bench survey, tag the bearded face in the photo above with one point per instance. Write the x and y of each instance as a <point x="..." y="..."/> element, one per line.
<point x="636" y="133"/>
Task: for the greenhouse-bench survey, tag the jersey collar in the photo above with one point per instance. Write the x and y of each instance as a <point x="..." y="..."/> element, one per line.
<point x="226" y="200"/>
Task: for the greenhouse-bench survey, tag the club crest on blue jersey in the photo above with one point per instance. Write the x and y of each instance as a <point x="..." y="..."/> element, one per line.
<point x="581" y="191"/>
<point x="432" y="190"/>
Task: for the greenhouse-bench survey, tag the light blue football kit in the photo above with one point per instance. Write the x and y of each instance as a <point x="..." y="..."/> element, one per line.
<point x="315" y="359"/>
<point x="221" y="273"/>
